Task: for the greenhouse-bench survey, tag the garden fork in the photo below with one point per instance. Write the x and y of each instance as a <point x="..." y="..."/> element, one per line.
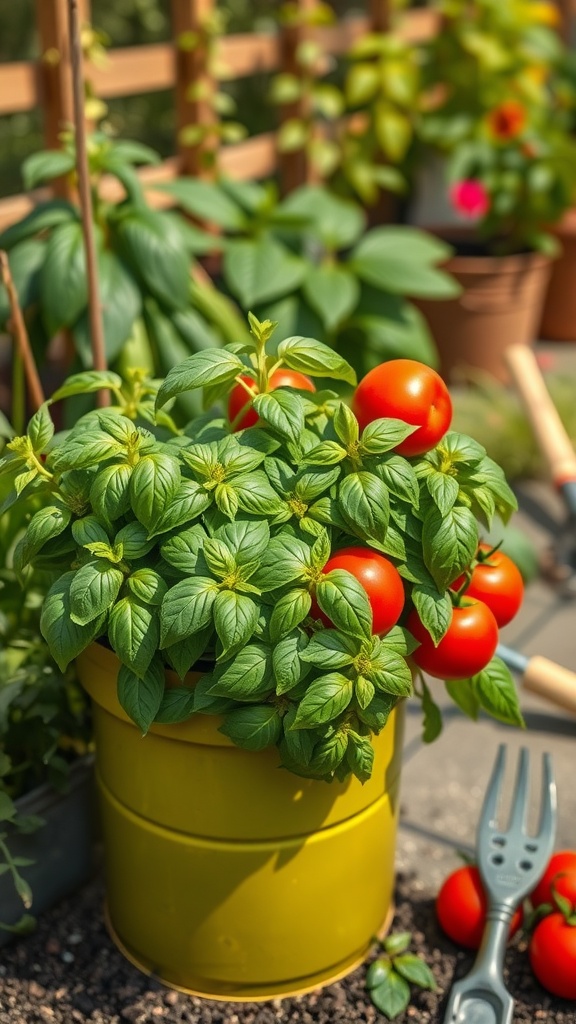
<point x="510" y="863"/>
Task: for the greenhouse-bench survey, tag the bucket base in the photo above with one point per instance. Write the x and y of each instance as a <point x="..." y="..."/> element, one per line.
<point x="256" y="993"/>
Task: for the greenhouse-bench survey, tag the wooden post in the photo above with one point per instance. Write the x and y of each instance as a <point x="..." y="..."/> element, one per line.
<point x="379" y="15"/>
<point x="567" y="11"/>
<point x="55" y="65"/>
<point x="195" y="85"/>
<point x="295" y="167"/>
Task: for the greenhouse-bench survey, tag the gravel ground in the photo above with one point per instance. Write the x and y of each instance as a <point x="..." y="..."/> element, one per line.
<point x="69" y="971"/>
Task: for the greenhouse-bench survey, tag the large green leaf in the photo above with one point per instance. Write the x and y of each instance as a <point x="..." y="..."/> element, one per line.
<point x="311" y="356"/>
<point x="207" y="201"/>
<point x="207" y="368"/>
<point x="333" y="293"/>
<point x="65" y="638"/>
<point x="186" y="609"/>
<point x="44" y="216"/>
<point x="338" y="222"/>
<point x="155" y="256"/>
<point x="63" y="282"/>
<point x="153" y="485"/>
<point x="93" y="590"/>
<point x="253" y="728"/>
<point x="134" y="633"/>
<point x="46" y="165"/>
<point x="141" y="697"/>
<point x="402" y="260"/>
<point x="257" y="270"/>
<point x="121" y="306"/>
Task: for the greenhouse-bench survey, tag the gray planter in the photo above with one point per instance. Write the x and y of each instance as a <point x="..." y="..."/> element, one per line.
<point x="63" y="850"/>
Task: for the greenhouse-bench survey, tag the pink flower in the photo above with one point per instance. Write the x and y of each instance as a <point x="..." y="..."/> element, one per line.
<point x="470" y="198"/>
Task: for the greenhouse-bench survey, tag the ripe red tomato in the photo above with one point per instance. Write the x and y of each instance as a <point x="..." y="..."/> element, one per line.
<point x="406" y="390"/>
<point x="561" y="872"/>
<point x="461" y="908"/>
<point x="498" y="582"/>
<point x="552" y="953"/>
<point x="282" y="378"/>
<point x="380" y="579"/>
<point x="466" y="648"/>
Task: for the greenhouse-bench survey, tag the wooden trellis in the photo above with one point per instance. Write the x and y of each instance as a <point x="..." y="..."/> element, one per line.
<point x="46" y="82"/>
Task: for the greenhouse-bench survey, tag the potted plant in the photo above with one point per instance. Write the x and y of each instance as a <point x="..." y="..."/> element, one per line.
<point x="493" y="133"/>
<point x="242" y="592"/>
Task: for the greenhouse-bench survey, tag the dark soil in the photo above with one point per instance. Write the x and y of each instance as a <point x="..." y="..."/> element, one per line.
<point x="69" y="971"/>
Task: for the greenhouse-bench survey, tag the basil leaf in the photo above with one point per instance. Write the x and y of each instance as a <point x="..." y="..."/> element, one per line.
<point x="87" y="448"/>
<point x="48" y="522"/>
<point x="186" y="608"/>
<point x="383" y="434"/>
<point x="248" y="677"/>
<point x="329" y="754"/>
<point x="443" y="489"/>
<point x="89" y="529"/>
<point x="255" y="495"/>
<point x="289" y="611"/>
<point x="310" y="356"/>
<point x="330" y="649"/>
<point x="360" y="755"/>
<point x="208" y="367"/>
<point x="110" y="491"/>
<point x="287" y="559"/>
<point x="141" y="697"/>
<point x="378" y="711"/>
<point x="147" y="585"/>
<point x="289" y="670"/>
<point x="390" y="673"/>
<point x="449" y="543"/>
<point x="235" y="619"/>
<point x="134" y="633"/>
<point x="497" y="693"/>
<point x="283" y="410"/>
<point x="343" y="599"/>
<point x="93" y="591"/>
<point x="40" y="429"/>
<point x="134" y="540"/>
<point x="182" y="550"/>
<point x="253" y="728"/>
<point x="154" y="483"/>
<point x="324" y="700"/>
<point x="65" y="638"/>
<point x="434" y="609"/>
<point x="187" y="503"/>
<point x="399" y="476"/>
<point x="364" y="503"/>
<point x="177" y="705"/>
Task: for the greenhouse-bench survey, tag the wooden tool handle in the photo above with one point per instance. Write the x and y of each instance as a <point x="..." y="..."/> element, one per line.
<point x="548" y="428"/>
<point x="551" y="681"/>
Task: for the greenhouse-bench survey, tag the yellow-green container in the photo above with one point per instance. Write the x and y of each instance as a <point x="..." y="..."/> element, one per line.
<point x="228" y="876"/>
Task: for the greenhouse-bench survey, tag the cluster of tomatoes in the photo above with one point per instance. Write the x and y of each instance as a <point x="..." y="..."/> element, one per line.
<point x="461" y="911"/>
<point x="490" y="594"/>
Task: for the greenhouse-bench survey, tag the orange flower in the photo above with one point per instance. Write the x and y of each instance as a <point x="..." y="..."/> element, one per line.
<point x="507" y="121"/>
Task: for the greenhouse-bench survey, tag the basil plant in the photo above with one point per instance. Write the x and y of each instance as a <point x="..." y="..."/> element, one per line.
<point x="207" y="544"/>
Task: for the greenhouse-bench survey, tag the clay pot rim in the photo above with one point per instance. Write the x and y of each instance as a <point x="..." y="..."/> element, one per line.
<point x="508" y="263"/>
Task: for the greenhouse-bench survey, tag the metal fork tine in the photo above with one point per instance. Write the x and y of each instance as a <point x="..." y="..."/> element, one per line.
<point x="489" y="812"/>
<point x="547" y="823"/>
<point x="519" y="810"/>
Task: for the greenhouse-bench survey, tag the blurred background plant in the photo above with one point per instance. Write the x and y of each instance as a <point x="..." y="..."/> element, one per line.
<point x="308" y="263"/>
<point x="498" y="108"/>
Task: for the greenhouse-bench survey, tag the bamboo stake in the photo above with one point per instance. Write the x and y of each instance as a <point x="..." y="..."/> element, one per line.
<point x="21" y="335"/>
<point x="94" y="303"/>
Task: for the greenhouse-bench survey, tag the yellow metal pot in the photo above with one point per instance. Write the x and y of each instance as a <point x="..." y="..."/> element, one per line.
<point x="227" y="876"/>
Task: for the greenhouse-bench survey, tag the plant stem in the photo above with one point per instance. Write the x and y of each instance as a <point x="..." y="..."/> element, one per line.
<point x="94" y="302"/>
<point x="26" y="359"/>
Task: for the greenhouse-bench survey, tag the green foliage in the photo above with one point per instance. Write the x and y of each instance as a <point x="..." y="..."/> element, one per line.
<point x="151" y="307"/>
<point x="308" y="263"/>
<point x="169" y="545"/>
<point x="44" y="717"/>
<point x="498" y="102"/>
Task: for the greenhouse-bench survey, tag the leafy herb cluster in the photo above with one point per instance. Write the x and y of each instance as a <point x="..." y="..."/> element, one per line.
<point x="176" y="545"/>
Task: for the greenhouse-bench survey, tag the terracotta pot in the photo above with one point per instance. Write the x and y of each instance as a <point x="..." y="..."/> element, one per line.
<point x="559" y="314"/>
<point x="501" y="303"/>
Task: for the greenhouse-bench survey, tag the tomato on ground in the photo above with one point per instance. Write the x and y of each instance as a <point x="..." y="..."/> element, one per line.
<point x="407" y="390"/>
<point x="498" y="582"/>
<point x="560" y="873"/>
<point x="282" y="378"/>
<point x="467" y="647"/>
<point x="461" y="907"/>
<point x="552" y="953"/>
<point x="380" y="579"/>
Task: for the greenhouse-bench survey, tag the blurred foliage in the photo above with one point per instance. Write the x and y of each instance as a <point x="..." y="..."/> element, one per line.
<point x="493" y="415"/>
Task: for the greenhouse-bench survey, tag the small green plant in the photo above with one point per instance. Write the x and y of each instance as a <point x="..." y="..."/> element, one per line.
<point x="216" y="542"/>
<point x="389" y="977"/>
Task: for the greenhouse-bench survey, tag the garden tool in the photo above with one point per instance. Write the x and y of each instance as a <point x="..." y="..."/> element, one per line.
<point x="558" y="451"/>
<point x="543" y="677"/>
<point x="511" y="862"/>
